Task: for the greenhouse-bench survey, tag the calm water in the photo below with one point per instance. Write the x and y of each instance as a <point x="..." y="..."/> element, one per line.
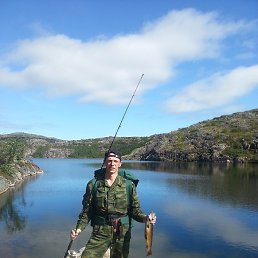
<point x="203" y="210"/>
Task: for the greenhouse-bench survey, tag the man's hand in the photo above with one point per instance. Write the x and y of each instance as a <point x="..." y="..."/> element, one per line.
<point x="75" y="233"/>
<point x="152" y="218"/>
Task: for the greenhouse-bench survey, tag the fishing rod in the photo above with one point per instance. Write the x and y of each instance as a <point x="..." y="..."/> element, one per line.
<point x="120" y="124"/>
<point x="123" y="117"/>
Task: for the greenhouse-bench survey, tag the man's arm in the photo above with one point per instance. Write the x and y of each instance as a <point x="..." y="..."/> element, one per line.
<point x="136" y="212"/>
<point x="85" y="214"/>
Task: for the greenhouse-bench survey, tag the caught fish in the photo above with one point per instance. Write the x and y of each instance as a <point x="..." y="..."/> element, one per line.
<point x="149" y="233"/>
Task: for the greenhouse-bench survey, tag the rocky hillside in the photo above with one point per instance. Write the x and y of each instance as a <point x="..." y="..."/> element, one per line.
<point x="226" y="138"/>
<point x="11" y="174"/>
<point x="40" y="146"/>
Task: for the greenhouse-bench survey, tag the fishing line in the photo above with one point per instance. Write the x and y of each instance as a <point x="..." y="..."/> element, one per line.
<point x="123" y="117"/>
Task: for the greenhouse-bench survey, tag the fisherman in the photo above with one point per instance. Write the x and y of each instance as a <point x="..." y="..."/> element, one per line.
<point x="105" y="204"/>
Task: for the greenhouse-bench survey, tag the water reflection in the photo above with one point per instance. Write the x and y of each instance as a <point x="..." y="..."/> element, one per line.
<point x="193" y="168"/>
<point x="211" y="222"/>
<point x="245" y="170"/>
<point x="204" y="210"/>
<point x="208" y="204"/>
<point x="234" y="184"/>
<point x="12" y="203"/>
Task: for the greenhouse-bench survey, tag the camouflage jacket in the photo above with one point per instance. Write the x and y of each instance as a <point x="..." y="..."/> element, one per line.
<point x="109" y="200"/>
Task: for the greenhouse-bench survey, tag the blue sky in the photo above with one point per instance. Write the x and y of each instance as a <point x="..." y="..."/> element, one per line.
<point x="69" y="68"/>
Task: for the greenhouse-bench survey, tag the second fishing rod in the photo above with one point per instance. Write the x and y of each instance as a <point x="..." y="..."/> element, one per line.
<point x="112" y="142"/>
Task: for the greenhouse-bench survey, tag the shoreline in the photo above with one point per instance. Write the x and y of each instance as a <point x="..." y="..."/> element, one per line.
<point x="20" y="171"/>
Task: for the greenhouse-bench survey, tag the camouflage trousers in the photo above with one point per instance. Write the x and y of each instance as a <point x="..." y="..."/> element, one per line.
<point x="103" y="237"/>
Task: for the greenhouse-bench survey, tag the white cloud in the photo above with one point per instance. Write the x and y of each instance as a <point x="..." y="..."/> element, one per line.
<point x="108" y="70"/>
<point x="216" y="91"/>
<point x="230" y="228"/>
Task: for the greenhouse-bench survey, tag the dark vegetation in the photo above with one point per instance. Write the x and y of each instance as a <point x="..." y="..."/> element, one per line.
<point x="12" y="150"/>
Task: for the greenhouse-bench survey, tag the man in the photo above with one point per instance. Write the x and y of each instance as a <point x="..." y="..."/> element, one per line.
<point x="106" y="204"/>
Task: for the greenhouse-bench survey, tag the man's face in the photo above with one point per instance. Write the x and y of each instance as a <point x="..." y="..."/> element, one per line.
<point x="112" y="164"/>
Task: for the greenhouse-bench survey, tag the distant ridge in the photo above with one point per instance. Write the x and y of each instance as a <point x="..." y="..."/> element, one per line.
<point x="222" y="139"/>
<point x="26" y="135"/>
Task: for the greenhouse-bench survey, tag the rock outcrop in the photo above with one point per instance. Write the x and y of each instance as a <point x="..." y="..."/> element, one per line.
<point x="223" y="139"/>
<point x="15" y="173"/>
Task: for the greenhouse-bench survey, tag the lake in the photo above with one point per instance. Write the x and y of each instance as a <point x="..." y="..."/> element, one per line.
<point x="203" y="210"/>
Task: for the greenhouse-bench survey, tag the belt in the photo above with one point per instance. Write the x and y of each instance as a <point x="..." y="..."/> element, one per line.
<point x="109" y="220"/>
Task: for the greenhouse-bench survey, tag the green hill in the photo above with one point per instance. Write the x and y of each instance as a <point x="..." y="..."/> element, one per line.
<point x="226" y="138"/>
<point x="222" y="139"/>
